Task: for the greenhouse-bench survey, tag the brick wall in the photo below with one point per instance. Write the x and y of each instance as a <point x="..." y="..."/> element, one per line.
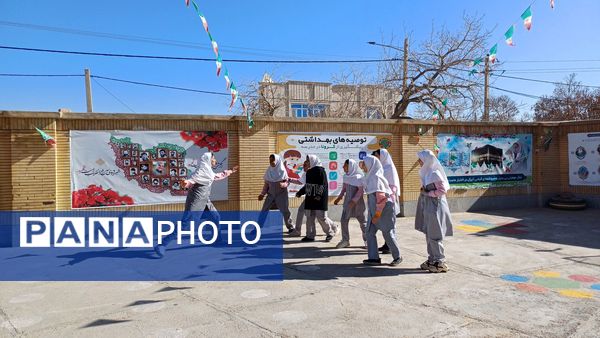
<point x="35" y="177"/>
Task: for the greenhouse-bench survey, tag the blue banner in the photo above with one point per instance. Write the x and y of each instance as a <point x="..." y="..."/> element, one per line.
<point x="141" y="246"/>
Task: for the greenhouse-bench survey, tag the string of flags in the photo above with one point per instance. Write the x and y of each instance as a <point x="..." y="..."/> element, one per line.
<point x="527" y="18"/>
<point x="229" y="84"/>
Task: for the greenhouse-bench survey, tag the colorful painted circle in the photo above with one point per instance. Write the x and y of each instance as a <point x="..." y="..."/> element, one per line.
<point x="556" y="283"/>
<point x="514" y="278"/>
<point x="576" y="293"/>
<point x="580" y="152"/>
<point x="583" y="172"/>
<point x="584" y="278"/>
<point x="531" y="288"/>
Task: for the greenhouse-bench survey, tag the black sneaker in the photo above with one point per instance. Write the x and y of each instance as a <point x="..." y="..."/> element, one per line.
<point x="425" y="265"/>
<point x="396" y="261"/>
<point x="438" y="267"/>
<point x="372" y="261"/>
<point x="307" y="239"/>
<point x="328" y="238"/>
<point x="290" y="230"/>
<point x="384" y="249"/>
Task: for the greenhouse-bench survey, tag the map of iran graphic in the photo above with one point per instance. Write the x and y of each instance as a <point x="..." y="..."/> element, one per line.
<point x="157" y="169"/>
<point x="120" y="167"/>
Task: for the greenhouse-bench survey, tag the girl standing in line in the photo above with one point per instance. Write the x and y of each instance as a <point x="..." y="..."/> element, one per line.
<point x="316" y="200"/>
<point x="276" y="183"/>
<point x="300" y="213"/>
<point x="391" y="175"/>
<point x="433" y="215"/>
<point x="354" y="204"/>
<point x="381" y="212"/>
<point x="198" y="197"/>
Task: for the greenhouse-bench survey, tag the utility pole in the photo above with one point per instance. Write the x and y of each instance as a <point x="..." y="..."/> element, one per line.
<point x="486" y="92"/>
<point x="88" y="90"/>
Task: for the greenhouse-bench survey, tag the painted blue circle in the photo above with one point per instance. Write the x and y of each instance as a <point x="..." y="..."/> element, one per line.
<point x="596" y="287"/>
<point x="515" y="278"/>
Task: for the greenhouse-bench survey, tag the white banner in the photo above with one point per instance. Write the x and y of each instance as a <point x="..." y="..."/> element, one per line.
<point x="332" y="149"/>
<point x="112" y="168"/>
<point x="584" y="159"/>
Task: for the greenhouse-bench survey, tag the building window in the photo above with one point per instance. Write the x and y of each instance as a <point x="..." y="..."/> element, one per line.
<point x="374" y="113"/>
<point x="300" y="110"/>
<point x="308" y="110"/>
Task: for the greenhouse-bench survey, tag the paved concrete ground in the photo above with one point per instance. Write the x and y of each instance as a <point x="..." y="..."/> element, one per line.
<point x="532" y="272"/>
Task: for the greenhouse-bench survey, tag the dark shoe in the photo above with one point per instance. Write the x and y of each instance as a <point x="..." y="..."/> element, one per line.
<point x="328" y="238"/>
<point x="307" y="239"/>
<point x="425" y="265"/>
<point x="384" y="249"/>
<point x="290" y="230"/>
<point x="372" y="262"/>
<point x="396" y="261"/>
<point x="438" y="267"/>
<point x="160" y="250"/>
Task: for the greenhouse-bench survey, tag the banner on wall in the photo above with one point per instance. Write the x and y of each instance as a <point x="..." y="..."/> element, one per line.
<point x="483" y="161"/>
<point x="114" y="168"/>
<point x="332" y="149"/>
<point x="584" y="159"/>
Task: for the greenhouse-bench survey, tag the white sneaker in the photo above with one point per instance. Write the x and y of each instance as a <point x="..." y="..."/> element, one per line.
<point x="342" y="244"/>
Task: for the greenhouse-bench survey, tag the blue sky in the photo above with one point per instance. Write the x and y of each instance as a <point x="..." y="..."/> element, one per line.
<point x="306" y="29"/>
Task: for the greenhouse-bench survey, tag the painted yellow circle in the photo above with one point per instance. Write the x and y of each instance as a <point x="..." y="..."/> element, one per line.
<point x="547" y="274"/>
<point x="576" y="293"/>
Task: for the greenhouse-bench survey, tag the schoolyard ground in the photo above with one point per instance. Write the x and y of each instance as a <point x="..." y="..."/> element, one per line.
<point x="526" y="272"/>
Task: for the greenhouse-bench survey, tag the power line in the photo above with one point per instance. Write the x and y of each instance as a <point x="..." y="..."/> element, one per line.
<point x="138" y="56"/>
<point x="544" y="81"/>
<point x="40" y="75"/>
<point x="145" y="39"/>
<point x="160" y="86"/>
<point x="114" y="96"/>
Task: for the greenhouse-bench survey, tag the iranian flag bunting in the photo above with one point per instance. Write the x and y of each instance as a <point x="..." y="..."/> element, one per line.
<point x="493" y="52"/>
<point x="508" y="36"/>
<point x="526" y="16"/>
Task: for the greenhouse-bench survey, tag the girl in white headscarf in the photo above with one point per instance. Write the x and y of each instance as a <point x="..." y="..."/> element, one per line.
<point x="391" y="175"/>
<point x="275" y="187"/>
<point x="433" y="215"/>
<point x="380" y="210"/>
<point x="301" y="212"/>
<point x="354" y="203"/>
<point x="316" y="190"/>
<point x="198" y="196"/>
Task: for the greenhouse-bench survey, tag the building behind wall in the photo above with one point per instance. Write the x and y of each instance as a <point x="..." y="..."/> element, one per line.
<point x="302" y="99"/>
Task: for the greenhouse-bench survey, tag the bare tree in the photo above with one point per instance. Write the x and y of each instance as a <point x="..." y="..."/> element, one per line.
<point x="503" y="108"/>
<point x="438" y="69"/>
<point x="569" y="101"/>
<point x="266" y="97"/>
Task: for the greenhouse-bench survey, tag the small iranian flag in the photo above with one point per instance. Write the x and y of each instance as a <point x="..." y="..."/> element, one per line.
<point x="227" y="80"/>
<point x="214" y="44"/>
<point x="436" y="115"/>
<point x="49" y="140"/>
<point x="508" y="36"/>
<point x="445" y="102"/>
<point x="219" y="63"/>
<point x="477" y="61"/>
<point x="234" y="95"/>
<point x="204" y="22"/>
<point x="493" y="52"/>
<point x="526" y="16"/>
